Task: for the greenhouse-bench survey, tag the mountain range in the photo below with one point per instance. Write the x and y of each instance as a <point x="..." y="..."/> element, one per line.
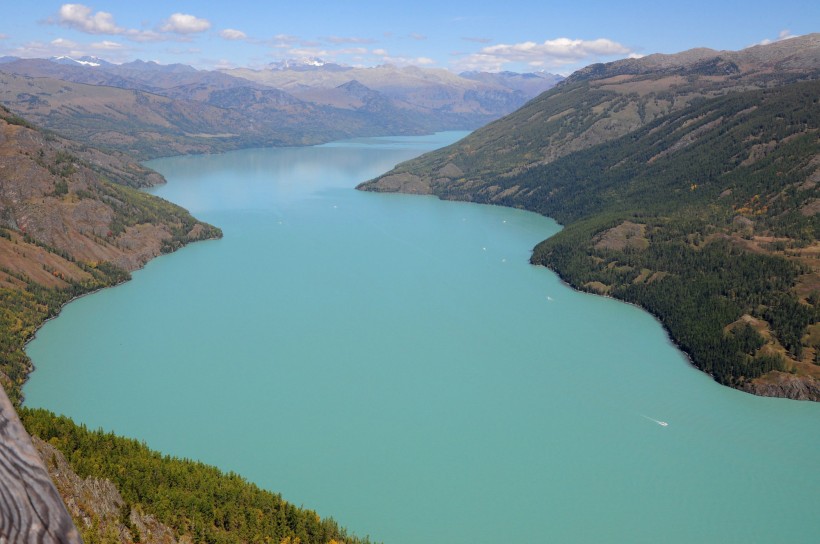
<point x="150" y="110"/>
<point x="687" y="184"/>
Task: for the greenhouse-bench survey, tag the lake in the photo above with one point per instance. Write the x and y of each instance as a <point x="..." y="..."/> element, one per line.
<point x="394" y="362"/>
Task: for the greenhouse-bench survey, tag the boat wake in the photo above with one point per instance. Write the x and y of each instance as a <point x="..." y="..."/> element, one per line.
<point x="659" y="422"/>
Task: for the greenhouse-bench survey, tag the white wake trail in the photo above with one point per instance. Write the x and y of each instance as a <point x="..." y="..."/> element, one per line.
<point x="659" y="422"/>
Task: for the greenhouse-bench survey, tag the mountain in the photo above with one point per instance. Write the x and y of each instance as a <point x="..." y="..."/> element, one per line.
<point x="147" y="125"/>
<point x="142" y="124"/>
<point x="688" y="184"/>
<point x="92" y="62"/>
<point x="531" y="84"/>
<point x="290" y="103"/>
<point x="606" y="101"/>
<point x="307" y="63"/>
<point x="172" y="80"/>
<point x="465" y="102"/>
<point x="72" y="72"/>
<point x="153" y="67"/>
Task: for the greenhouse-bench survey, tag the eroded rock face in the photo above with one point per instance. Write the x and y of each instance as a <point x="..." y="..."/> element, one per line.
<point x="450" y="170"/>
<point x="626" y="235"/>
<point x="781" y="384"/>
<point x="97" y="506"/>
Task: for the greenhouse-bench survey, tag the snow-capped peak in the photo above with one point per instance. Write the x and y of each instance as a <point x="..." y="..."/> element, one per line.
<point x="296" y="64"/>
<point x="314" y="61"/>
<point x="82" y="61"/>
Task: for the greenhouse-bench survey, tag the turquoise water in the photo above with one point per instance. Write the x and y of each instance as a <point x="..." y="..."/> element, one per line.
<point x="394" y="362"/>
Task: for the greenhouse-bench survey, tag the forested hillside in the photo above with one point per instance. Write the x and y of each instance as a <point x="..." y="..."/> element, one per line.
<point x="704" y="213"/>
<point x="189" y="500"/>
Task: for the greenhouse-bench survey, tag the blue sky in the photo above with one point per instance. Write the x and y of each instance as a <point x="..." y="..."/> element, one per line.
<point x="519" y="35"/>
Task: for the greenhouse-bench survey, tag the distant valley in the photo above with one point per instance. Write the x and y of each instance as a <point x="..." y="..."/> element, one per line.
<point x="150" y="110"/>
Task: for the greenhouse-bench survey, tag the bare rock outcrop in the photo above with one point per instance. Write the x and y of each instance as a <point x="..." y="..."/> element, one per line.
<point x="97" y="506"/>
<point x="781" y="384"/>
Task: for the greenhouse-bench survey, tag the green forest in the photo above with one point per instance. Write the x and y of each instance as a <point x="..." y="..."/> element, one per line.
<point x="690" y="197"/>
<point x="190" y="497"/>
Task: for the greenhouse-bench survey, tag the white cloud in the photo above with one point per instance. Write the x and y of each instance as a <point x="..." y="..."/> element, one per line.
<point x="233" y="34"/>
<point x="549" y="54"/>
<point x="308" y="52"/>
<point x="107" y="45"/>
<point x="782" y="35"/>
<point x="386" y="58"/>
<point x="286" y="38"/>
<point x="558" y="50"/>
<point x="4" y="36"/>
<point x="286" y="41"/>
<point x="325" y="53"/>
<point x="348" y="39"/>
<point x="56" y="48"/>
<point x="34" y="50"/>
<point x="184" y="50"/>
<point x="144" y="35"/>
<point x="222" y="64"/>
<point x="63" y="43"/>
<point x="409" y="61"/>
<point x="417" y="36"/>
<point x="82" y="18"/>
<point x="182" y="23"/>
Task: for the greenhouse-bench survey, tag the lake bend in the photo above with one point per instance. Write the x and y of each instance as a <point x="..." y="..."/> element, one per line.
<point x="394" y="362"/>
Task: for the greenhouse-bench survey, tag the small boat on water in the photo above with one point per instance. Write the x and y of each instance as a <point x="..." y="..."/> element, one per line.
<point x="659" y="422"/>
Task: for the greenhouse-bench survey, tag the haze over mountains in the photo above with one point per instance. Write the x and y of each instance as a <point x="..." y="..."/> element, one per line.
<point x="152" y="110"/>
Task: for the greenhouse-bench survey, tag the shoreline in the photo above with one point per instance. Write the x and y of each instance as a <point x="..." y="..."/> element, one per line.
<point x="785" y="389"/>
<point x="33" y="367"/>
<point x="749" y="386"/>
